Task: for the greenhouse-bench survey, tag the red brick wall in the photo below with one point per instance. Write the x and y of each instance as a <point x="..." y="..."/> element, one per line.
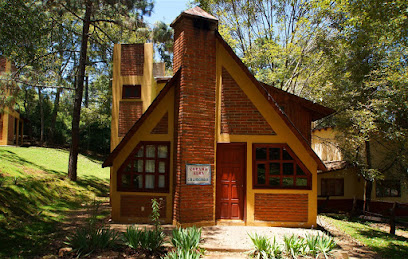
<point x="132" y="59"/>
<point x="129" y="113"/>
<point x="140" y="206"/>
<point x="11" y="128"/>
<point x="281" y="207"/>
<point x="194" y="50"/>
<point x="162" y="126"/>
<point x="239" y="116"/>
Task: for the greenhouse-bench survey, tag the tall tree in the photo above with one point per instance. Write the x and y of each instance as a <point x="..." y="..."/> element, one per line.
<point x="276" y="39"/>
<point x="95" y="15"/>
<point x="366" y="81"/>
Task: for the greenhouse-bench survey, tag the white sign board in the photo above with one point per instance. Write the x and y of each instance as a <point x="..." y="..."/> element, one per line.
<point x="198" y="174"/>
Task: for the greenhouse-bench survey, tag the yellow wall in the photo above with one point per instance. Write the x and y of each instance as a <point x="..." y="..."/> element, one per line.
<point x="143" y="134"/>
<point x="147" y="87"/>
<point x="283" y="135"/>
<point x="7" y="112"/>
<point x="325" y="145"/>
<point x="353" y="184"/>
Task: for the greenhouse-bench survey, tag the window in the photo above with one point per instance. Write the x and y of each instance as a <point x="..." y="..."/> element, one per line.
<point x="131" y="92"/>
<point x="146" y="169"/>
<point x="332" y="187"/>
<point x="276" y="166"/>
<point x="388" y="188"/>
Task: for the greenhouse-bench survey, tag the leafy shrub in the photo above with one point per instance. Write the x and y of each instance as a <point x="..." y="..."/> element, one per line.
<point x="150" y="241"/>
<point x="264" y="248"/>
<point x="325" y="244"/>
<point x="311" y="243"/>
<point x="186" y="238"/>
<point x="89" y="239"/>
<point x="294" y="245"/>
<point x="183" y="254"/>
<point x="92" y="237"/>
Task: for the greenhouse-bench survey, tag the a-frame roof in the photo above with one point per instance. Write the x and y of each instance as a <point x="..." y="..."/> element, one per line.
<point x="274" y="104"/>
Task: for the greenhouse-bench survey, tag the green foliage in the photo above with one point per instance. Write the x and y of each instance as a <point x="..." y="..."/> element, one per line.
<point x="378" y="240"/>
<point x="149" y="241"/>
<point x="155" y="215"/>
<point x="92" y="238"/>
<point x="186" y="238"/>
<point x="264" y="248"/>
<point x="35" y="197"/>
<point x="294" y="245"/>
<point x="183" y="254"/>
<point x="319" y="244"/>
<point x="325" y="244"/>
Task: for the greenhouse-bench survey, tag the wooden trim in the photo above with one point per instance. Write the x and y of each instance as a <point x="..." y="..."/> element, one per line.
<point x="131" y="158"/>
<point x="295" y="161"/>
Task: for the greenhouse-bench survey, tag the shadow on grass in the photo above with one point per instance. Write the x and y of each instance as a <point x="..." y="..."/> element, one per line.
<point x="397" y="245"/>
<point x="98" y="186"/>
<point x="32" y="208"/>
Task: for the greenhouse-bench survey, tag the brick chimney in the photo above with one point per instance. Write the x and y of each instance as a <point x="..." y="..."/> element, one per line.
<point x="194" y="140"/>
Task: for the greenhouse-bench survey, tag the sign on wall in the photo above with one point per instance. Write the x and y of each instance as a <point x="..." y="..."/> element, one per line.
<point x="198" y="174"/>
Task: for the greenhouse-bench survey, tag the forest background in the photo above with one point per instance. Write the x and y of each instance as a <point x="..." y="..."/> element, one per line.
<point x="350" y="55"/>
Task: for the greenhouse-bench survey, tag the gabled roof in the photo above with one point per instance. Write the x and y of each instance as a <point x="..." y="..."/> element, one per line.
<point x="109" y="160"/>
<point x="195" y="12"/>
<point x="274" y="104"/>
<point x="318" y="111"/>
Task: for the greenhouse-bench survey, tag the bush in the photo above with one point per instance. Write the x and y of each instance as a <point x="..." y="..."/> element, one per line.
<point x="264" y="248"/>
<point x="186" y="238"/>
<point x="325" y="244"/>
<point x="92" y="237"/>
<point x="183" y="254"/>
<point x="149" y="241"/>
<point x="89" y="239"/>
<point x="294" y="245"/>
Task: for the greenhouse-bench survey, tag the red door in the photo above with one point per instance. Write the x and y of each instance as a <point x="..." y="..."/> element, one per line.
<point x="231" y="163"/>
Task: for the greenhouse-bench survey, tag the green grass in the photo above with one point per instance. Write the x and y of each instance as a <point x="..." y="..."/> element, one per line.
<point x="35" y="196"/>
<point x="388" y="246"/>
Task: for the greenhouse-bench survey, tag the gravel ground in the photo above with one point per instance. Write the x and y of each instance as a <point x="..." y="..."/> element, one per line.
<point x="236" y="238"/>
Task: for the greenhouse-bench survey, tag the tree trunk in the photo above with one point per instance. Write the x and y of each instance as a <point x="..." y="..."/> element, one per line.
<point x="54" y="116"/>
<point x="86" y="91"/>
<point x="73" y="154"/>
<point x="40" y="99"/>
<point x="369" y="182"/>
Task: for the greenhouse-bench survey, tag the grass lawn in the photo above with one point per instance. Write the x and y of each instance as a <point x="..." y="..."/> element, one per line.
<point x="388" y="246"/>
<point x="35" y="196"/>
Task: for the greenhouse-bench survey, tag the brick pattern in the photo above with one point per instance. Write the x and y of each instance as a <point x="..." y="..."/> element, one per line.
<point x="194" y="50"/>
<point x="140" y="206"/>
<point x="281" y="207"/>
<point x="239" y="116"/>
<point x="162" y="126"/>
<point x="129" y="113"/>
<point x="132" y="59"/>
<point x="2" y="64"/>
<point x="11" y="128"/>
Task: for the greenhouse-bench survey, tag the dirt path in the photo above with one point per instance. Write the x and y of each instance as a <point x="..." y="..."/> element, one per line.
<point x="220" y="241"/>
<point x="347" y="244"/>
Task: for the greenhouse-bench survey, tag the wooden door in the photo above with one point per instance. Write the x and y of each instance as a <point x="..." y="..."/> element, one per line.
<point x="231" y="161"/>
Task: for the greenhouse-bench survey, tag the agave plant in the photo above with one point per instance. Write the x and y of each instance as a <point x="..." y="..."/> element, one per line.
<point x="294" y="245"/>
<point x="264" y="248"/>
